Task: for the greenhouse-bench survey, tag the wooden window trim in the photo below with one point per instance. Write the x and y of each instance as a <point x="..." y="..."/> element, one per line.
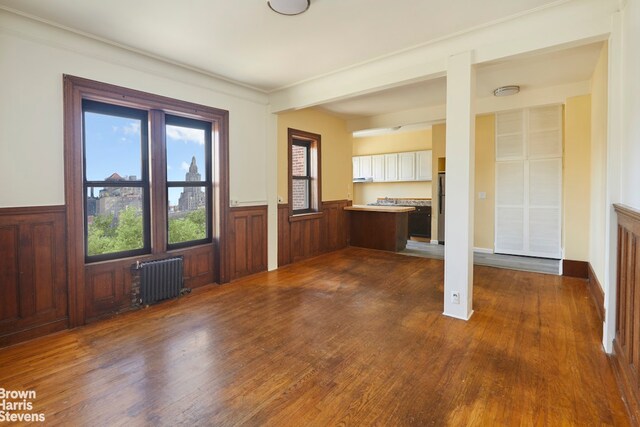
<point x="77" y="89"/>
<point x="315" y="172"/>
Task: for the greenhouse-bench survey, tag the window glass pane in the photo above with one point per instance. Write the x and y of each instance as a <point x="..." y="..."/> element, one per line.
<point x="185" y="154"/>
<point x="187" y="214"/>
<point x="112" y="147"/>
<point x="298" y="160"/>
<point x="300" y="197"/>
<point x="114" y="219"/>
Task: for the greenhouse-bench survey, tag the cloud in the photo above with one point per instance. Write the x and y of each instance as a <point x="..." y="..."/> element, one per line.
<point x="185" y="166"/>
<point x="133" y="128"/>
<point x="185" y="135"/>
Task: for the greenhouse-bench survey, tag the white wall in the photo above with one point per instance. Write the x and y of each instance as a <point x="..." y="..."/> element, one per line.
<point x="33" y="58"/>
<point x="598" y="169"/>
<point x="630" y="148"/>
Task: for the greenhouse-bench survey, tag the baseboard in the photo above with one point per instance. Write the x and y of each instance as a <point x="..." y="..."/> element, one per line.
<point x="483" y="250"/>
<point x="596" y="292"/>
<point x="579" y="269"/>
<point x="621" y="370"/>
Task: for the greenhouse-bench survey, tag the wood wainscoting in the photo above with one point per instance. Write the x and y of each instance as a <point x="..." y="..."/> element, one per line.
<point x="306" y="236"/>
<point x="626" y="355"/>
<point x="247" y="240"/>
<point x="33" y="273"/>
<point x="108" y="285"/>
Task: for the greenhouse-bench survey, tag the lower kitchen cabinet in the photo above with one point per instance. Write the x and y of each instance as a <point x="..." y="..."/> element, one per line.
<point x="420" y="222"/>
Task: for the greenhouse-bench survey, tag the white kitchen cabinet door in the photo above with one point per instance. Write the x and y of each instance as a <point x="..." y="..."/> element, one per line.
<point x="407" y="166"/>
<point x="423" y="165"/>
<point x="356" y="167"/>
<point x="391" y="167"/>
<point x="365" y="167"/>
<point x="377" y="164"/>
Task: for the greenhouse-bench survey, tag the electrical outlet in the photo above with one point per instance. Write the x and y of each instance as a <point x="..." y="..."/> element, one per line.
<point x="455" y="297"/>
<point x="482" y="195"/>
<point x="280" y="199"/>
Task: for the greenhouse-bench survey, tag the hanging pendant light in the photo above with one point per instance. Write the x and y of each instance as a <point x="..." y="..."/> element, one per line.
<point x="289" y="7"/>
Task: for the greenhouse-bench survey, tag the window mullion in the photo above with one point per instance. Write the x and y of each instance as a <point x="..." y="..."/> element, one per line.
<point x="158" y="179"/>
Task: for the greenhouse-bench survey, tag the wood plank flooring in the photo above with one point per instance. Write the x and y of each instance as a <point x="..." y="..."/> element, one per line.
<point x="355" y="337"/>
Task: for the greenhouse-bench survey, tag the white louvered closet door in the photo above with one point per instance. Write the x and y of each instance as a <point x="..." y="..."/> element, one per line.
<point x="529" y="182"/>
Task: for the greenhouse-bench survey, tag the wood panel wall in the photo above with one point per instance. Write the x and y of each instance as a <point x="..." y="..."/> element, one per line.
<point x="33" y="275"/>
<point x="305" y="236"/>
<point x="627" y="341"/>
<point x="108" y="285"/>
<point x="247" y="240"/>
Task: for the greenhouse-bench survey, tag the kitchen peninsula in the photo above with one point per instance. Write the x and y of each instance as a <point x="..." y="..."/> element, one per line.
<point x="379" y="227"/>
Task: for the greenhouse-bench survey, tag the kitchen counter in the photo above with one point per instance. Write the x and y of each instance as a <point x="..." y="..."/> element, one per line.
<point x="379" y="208"/>
<point x="379" y="227"/>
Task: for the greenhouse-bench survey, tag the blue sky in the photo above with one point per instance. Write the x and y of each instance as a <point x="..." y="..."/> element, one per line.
<point x="113" y="145"/>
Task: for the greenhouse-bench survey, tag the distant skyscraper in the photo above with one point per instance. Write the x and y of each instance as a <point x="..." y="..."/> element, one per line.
<point x="191" y="198"/>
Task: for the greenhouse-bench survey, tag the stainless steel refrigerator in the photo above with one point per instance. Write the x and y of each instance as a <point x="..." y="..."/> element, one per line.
<point x="441" y="207"/>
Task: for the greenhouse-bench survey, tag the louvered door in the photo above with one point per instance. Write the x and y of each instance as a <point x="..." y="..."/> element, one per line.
<point x="529" y="182"/>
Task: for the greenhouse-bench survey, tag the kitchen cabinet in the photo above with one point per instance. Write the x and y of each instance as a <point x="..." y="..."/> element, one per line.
<point x="423" y="165"/>
<point x="362" y="167"/>
<point x="420" y="222"/>
<point x="377" y="166"/>
<point x="391" y="167"/>
<point x="407" y="166"/>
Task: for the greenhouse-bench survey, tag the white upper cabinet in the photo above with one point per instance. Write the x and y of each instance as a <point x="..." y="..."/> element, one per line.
<point x="423" y="165"/>
<point x="362" y="167"/>
<point x="407" y="166"/>
<point x="391" y="167"/>
<point x="377" y="165"/>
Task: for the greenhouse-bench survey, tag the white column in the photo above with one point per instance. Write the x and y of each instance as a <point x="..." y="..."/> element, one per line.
<point x="272" y="191"/>
<point x="458" y="248"/>
<point x="615" y="135"/>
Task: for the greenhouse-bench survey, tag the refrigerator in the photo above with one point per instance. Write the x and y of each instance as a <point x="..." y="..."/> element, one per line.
<point x="441" y="207"/>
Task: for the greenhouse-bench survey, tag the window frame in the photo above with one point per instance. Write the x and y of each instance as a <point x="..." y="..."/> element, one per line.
<point x="314" y="169"/>
<point x="170" y="119"/>
<point x="144" y="182"/>
<point x="306" y="177"/>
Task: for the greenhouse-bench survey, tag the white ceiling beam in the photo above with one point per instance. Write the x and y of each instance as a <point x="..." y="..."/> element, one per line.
<point x="563" y="25"/>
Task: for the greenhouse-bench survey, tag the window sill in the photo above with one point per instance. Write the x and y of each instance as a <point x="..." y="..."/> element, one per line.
<point x="305" y="216"/>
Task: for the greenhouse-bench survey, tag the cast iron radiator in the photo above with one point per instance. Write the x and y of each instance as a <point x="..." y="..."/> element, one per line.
<point x="160" y="280"/>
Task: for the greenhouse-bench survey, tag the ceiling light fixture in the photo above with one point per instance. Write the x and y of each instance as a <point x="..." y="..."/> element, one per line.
<point x="289" y="7"/>
<point x="506" y="90"/>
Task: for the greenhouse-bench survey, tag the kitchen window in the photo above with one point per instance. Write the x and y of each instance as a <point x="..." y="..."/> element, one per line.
<point x="304" y="172"/>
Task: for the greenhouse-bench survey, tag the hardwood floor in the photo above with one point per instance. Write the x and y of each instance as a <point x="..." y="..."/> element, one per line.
<point x="354" y="337"/>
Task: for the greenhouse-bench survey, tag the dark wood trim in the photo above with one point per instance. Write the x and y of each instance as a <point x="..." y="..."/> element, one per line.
<point x="308" y="235"/>
<point x="75" y="90"/>
<point x="306" y="216"/>
<point x="158" y="189"/>
<point x="315" y="163"/>
<point x="248" y="235"/>
<point x="33" y="210"/>
<point x="579" y="269"/>
<point x="626" y="357"/>
<point x="597" y="293"/>
<point x="629" y="212"/>
<point x="629" y="391"/>
<point x="33" y="273"/>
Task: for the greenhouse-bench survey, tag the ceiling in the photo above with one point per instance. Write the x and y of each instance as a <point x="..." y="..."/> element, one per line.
<point x="245" y="42"/>
<point x="530" y="72"/>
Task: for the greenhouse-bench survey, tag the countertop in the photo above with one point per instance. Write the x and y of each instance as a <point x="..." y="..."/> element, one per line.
<point x="390" y="209"/>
